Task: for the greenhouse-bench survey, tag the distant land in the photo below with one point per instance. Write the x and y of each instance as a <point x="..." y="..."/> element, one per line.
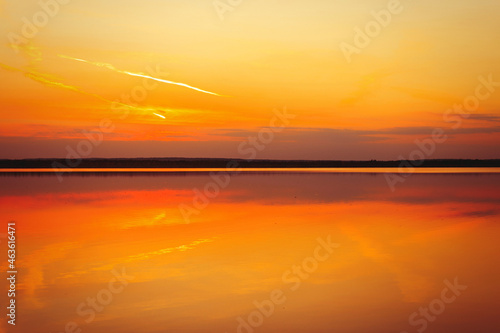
<point x="241" y="163"/>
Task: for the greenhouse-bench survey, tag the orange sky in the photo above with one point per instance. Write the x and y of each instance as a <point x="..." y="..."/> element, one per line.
<point x="222" y="79"/>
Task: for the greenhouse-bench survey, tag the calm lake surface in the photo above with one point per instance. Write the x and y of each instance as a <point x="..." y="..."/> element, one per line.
<point x="270" y="252"/>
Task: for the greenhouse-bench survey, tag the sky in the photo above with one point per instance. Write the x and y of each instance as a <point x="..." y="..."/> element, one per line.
<point x="174" y="78"/>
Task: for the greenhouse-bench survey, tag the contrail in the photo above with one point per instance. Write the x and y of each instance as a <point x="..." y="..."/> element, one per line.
<point x="49" y="81"/>
<point x="113" y="68"/>
<point x="159" y="115"/>
<point x="35" y="56"/>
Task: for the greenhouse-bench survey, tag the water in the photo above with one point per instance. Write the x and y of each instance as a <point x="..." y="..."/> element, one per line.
<point x="192" y="263"/>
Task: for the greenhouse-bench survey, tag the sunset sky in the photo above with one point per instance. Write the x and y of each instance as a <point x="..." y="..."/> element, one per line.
<point x="196" y="82"/>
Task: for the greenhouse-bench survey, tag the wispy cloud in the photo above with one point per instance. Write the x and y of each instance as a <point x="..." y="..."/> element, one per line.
<point x="367" y="85"/>
<point x="485" y="117"/>
<point x="480" y="213"/>
<point x="35" y="56"/>
<point x="428" y="95"/>
<point x="48" y="81"/>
